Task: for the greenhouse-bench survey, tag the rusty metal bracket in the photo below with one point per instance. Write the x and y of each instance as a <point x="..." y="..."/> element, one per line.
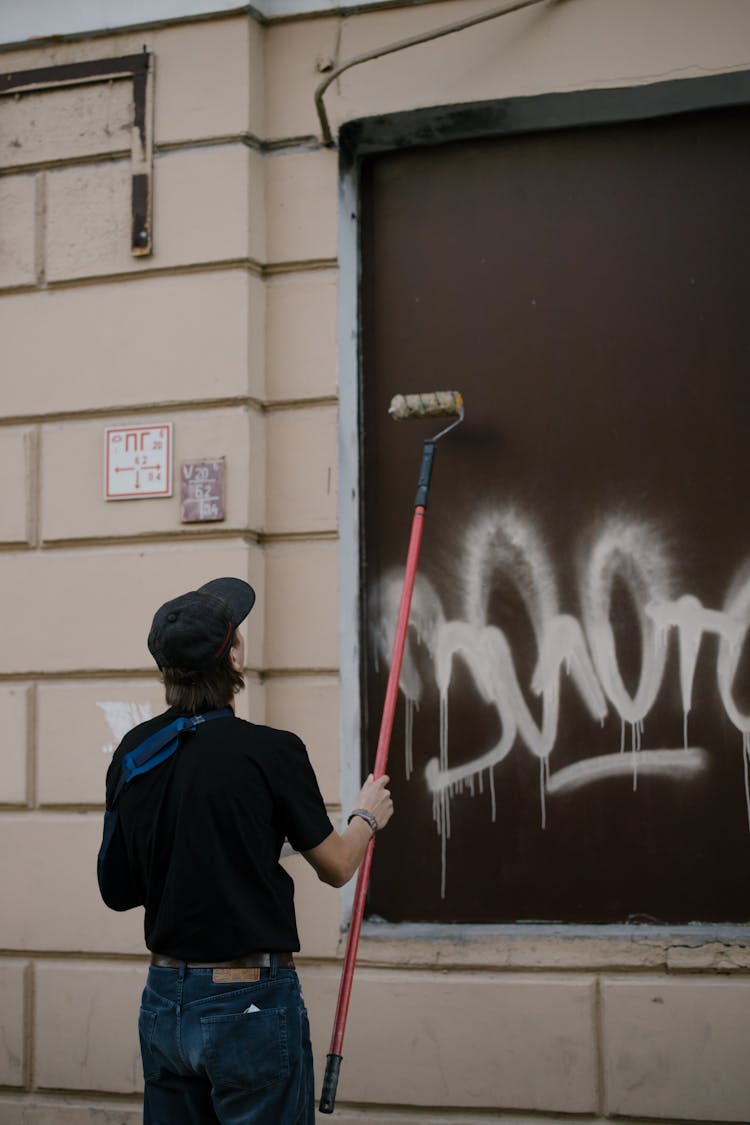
<point x="138" y="68"/>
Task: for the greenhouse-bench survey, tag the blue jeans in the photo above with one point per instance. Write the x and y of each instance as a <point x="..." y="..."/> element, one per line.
<point x="207" y="1059"/>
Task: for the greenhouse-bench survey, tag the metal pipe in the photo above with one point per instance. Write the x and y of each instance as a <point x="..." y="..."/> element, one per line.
<point x="412" y="41"/>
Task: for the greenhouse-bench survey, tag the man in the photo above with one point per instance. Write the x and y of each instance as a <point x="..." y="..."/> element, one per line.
<point x="196" y="821"/>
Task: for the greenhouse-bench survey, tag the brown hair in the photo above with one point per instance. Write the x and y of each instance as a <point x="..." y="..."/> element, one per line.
<point x="206" y="689"/>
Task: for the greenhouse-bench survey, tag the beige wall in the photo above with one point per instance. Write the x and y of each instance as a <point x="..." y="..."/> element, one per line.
<point x="229" y="332"/>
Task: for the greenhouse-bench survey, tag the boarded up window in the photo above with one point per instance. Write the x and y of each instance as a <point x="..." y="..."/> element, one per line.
<point x="571" y="742"/>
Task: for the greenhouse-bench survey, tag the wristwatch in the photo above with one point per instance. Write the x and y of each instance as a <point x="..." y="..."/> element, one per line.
<point x="366" y="815"/>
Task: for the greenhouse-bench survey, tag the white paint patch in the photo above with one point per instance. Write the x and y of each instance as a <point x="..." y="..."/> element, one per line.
<point x="635" y="554"/>
<point x="121" y="718"/>
<point x="425" y="621"/>
<point x="671" y="763"/>
<point x="504" y="545"/>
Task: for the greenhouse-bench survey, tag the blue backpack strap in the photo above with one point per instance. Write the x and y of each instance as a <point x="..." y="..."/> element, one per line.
<point x="112" y="868"/>
<point x="159" y="746"/>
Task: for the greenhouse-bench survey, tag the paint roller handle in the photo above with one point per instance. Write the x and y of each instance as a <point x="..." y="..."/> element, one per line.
<point x="330" y="1084"/>
<point x="425" y="474"/>
<point x="451" y="404"/>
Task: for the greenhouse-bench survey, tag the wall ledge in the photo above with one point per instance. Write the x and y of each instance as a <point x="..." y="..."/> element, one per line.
<point x="720" y="948"/>
<point x="33" y="22"/>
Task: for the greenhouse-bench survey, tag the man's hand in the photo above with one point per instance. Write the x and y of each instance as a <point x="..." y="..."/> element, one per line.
<point x="340" y="854"/>
<point x="375" y="797"/>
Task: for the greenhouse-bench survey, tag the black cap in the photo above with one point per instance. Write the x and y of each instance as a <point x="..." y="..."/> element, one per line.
<point x="196" y="629"/>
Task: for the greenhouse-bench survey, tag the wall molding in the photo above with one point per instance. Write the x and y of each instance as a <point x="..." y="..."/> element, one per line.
<point x="31" y="22"/>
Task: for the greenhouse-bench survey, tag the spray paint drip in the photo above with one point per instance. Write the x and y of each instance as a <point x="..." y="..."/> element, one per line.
<point x="746" y="764"/>
<point x="410" y="707"/>
<point x="121" y="717"/>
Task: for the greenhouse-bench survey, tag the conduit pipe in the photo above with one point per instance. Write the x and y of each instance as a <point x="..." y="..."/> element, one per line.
<point x="412" y="41"/>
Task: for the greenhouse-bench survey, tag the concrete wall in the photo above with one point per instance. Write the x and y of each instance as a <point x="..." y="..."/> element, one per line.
<point x="229" y="332"/>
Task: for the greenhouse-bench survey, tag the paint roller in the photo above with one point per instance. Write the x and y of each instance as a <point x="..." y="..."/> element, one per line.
<point x="428" y="405"/>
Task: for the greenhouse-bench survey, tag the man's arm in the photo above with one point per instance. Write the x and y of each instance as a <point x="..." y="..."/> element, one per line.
<point x="112" y="869"/>
<point x="337" y="858"/>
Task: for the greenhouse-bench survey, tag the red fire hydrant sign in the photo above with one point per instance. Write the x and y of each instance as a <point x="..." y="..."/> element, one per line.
<point x="138" y="461"/>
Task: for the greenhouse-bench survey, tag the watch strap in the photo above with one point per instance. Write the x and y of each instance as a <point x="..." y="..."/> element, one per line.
<point x="365" y="814"/>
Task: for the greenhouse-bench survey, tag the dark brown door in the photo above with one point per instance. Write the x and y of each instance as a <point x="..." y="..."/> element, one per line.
<point x="571" y="742"/>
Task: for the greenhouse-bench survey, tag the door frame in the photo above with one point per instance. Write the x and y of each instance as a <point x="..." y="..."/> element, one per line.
<point x="436" y="125"/>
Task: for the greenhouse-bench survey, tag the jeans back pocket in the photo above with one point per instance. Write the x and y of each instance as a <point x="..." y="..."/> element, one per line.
<point x="248" y="1049"/>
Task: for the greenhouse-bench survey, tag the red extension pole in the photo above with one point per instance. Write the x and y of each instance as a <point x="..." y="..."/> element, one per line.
<point x="333" y="1060"/>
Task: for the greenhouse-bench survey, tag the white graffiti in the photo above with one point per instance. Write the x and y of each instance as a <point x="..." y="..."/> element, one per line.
<point x="505" y="545"/>
<point x="121" y="718"/>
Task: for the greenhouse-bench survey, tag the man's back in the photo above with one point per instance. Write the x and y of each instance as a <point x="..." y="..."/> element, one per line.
<point x="203" y="832"/>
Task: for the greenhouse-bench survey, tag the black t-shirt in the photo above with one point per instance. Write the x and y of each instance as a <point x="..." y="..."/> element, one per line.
<point x="203" y="832"/>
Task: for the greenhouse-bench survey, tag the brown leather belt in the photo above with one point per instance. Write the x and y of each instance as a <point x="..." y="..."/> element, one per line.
<point x="250" y="961"/>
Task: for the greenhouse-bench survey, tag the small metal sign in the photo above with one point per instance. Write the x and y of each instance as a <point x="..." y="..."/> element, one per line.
<point x="138" y="461"/>
<point x="202" y="490"/>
